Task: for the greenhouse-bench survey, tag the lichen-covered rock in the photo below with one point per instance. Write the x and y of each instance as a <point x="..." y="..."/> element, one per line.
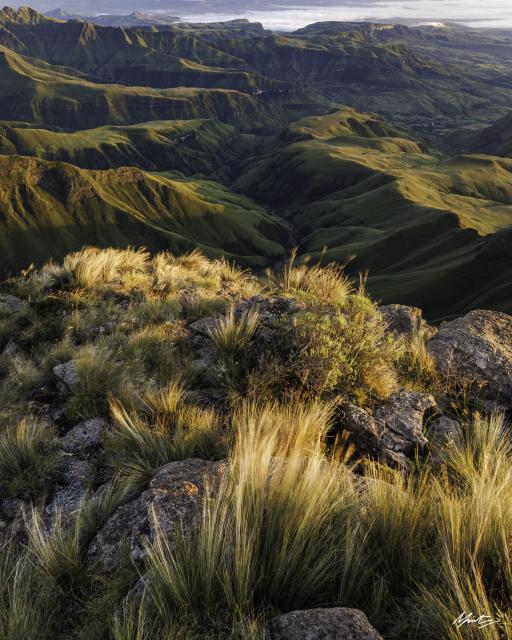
<point x="322" y="624"/>
<point x="172" y="503"/>
<point x="67" y="374"/>
<point x="84" y="439"/>
<point x="442" y="431"/>
<point x="270" y="308"/>
<point x="404" y="414"/>
<point x="10" y="304"/>
<point x="203" y="326"/>
<point x="77" y="477"/>
<point x="477" y="349"/>
<point x="406" y="321"/>
<point x="12" y="520"/>
<point x="10" y="348"/>
<point x="402" y="319"/>
<point x="364" y="430"/>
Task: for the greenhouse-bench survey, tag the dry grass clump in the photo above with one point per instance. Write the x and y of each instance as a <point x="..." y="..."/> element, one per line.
<point x="98" y="376"/>
<point x="131" y="268"/>
<point x="192" y="271"/>
<point x="231" y="337"/>
<point x="28" y="458"/>
<point x="268" y="538"/>
<point x="320" y="285"/>
<point x="92" y="267"/>
<point x="164" y="427"/>
<point x="26" y="607"/>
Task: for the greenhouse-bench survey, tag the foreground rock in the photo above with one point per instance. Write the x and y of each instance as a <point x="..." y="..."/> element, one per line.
<point x="84" y="439"/>
<point x="402" y="319"/>
<point x="364" y="430"/>
<point x="74" y="489"/>
<point x="406" y="321"/>
<point x="323" y="624"/>
<point x="477" y="350"/>
<point x="67" y="374"/>
<point x="172" y="503"/>
<point x="404" y="415"/>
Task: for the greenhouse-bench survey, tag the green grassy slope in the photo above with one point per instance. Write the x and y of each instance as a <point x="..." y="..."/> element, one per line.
<point x="422" y="226"/>
<point x="190" y="146"/>
<point x="50" y="208"/>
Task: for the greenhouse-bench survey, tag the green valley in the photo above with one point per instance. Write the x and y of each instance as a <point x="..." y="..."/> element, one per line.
<point x="362" y="142"/>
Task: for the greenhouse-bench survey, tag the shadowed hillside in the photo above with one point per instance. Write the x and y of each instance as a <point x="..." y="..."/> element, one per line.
<point x="52" y="208"/>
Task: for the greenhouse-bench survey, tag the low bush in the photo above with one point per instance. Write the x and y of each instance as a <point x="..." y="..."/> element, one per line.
<point x="346" y="354"/>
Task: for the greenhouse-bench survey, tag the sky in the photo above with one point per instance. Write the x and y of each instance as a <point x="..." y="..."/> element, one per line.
<point x="488" y="13"/>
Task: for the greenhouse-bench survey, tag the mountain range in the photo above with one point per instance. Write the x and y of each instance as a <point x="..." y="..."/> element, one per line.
<point x="386" y="148"/>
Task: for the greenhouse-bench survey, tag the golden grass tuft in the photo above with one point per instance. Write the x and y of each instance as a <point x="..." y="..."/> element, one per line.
<point x="321" y="285"/>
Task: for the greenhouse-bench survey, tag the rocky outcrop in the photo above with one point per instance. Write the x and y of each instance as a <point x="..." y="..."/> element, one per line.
<point x="477" y="350"/>
<point x="404" y="415"/>
<point x="322" y="624"/>
<point x="406" y="321"/>
<point x="171" y="504"/>
<point x="11" y="304"/>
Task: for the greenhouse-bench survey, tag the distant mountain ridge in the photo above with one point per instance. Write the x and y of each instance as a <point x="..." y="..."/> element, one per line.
<point x="134" y="19"/>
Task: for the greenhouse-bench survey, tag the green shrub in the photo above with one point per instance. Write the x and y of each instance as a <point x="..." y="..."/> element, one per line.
<point x="347" y="354"/>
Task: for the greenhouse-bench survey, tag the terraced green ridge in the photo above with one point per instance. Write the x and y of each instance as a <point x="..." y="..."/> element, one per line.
<point x="50" y="208"/>
<point x="35" y="92"/>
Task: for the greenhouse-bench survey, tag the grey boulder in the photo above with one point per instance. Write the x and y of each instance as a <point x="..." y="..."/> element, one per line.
<point x="477" y="350"/>
<point x="10" y="304"/>
<point x="67" y="374"/>
<point x="404" y="415"/>
<point x="172" y="503"/>
<point x="322" y="624"/>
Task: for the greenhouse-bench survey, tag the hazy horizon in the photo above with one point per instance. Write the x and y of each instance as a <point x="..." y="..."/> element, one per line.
<point x="288" y="16"/>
